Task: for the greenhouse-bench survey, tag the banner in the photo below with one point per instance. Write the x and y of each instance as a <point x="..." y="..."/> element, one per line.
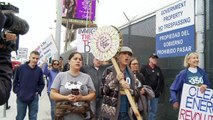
<point x="79" y="9"/>
<point x="22" y="53"/>
<point x="196" y="105"/>
<point x="83" y="39"/>
<point x="47" y="49"/>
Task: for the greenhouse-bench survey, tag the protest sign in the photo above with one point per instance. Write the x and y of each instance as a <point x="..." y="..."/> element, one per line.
<point x="196" y="105"/>
<point x="83" y="39"/>
<point x="47" y="48"/>
<point x="22" y="53"/>
<point x="175" y="28"/>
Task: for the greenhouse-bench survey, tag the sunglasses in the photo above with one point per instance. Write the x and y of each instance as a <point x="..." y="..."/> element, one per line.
<point x="55" y="64"/>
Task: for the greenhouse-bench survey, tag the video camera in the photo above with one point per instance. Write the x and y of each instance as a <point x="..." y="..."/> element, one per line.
<point x="12" y="24"/>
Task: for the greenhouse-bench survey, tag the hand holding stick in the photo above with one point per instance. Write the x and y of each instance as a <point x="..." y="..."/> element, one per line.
<point x="105" y="44"/>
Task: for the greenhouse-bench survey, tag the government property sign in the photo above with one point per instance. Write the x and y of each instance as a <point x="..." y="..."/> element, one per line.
<point x="175" y="29"/>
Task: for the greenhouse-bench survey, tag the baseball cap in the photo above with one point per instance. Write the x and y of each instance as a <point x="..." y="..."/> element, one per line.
<point x="153" y="55"/>
<point x="126" y="49"/>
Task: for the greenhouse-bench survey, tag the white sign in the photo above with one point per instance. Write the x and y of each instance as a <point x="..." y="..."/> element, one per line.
<point x="196" y="105"/>
<point x="175" y="29"/>
<point x="175" y="16"/>
<point x="83" y="39"/>
<point x="47" y="48"/>
<point x="22" y="53"/>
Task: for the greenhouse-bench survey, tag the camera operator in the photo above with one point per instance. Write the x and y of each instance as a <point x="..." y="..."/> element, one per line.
<point x="10" y="27"/>
<point x="5" y="67"/>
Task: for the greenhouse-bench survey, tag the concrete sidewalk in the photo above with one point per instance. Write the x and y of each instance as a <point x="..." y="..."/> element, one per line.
<point x="43" y="113"/>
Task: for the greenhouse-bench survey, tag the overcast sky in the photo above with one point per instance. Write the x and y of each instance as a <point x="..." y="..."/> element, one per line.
<point x="40" y="14"/>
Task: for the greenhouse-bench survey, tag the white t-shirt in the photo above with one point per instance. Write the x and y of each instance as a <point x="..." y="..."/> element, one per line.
<point x="64" y="82"/>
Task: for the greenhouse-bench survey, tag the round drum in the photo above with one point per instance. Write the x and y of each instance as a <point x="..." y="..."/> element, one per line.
<point x="106" y="42"/>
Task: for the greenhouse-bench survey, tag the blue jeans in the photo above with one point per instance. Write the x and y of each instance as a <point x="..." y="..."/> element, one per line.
<point x="153" y="104"/>
<point x="22" y="108"/>
<point x="52" y="105"/>
<point x="98" y="106"/>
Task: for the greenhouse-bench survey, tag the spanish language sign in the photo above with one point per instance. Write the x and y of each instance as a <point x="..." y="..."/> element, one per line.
<point x="196" y="105"/>
<point x="175" y="29"/>
<point x="83" y="39"/>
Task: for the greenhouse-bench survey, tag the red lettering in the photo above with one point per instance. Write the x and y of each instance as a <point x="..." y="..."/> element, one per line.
<point x="188" y="115"/>
<point x="182" y="114"/>
<point x="195" y="116"/>
<point x="210" y="117"/>
<point x="86" y="42"/>
<point x="204" y="117"/>
<point x="85" y="37"/>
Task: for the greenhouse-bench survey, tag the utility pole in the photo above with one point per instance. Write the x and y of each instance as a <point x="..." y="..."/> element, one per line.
<point x="58" y="27"/>
<point x="88" y="19"/>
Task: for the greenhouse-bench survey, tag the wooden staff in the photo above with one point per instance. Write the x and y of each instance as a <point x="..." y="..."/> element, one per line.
<point x="129" y="96"/>
<point x="105" y="43"/>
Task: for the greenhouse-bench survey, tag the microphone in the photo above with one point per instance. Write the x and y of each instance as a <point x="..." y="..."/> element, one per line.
<point x="15" y="24"/>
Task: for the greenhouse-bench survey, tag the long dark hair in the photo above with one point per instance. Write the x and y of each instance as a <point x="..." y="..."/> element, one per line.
<point x="72" y="54"/>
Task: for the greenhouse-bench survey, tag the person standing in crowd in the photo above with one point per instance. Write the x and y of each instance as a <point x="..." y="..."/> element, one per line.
<point x="146" y="91"/>
<point x="61" y="65"/>
<point x="28" y="85"/>
<point x="73" y="91"/>
<point x="5" y="65"/>
<point x="51" y="74"/>
<point x="155" y="80"/>
<point x="95" y="71"/>
<point x="115" y="105"/>
<point x="66" y="66"/>
<point x="134" y="66"/>
<point x="192" y="74"/>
